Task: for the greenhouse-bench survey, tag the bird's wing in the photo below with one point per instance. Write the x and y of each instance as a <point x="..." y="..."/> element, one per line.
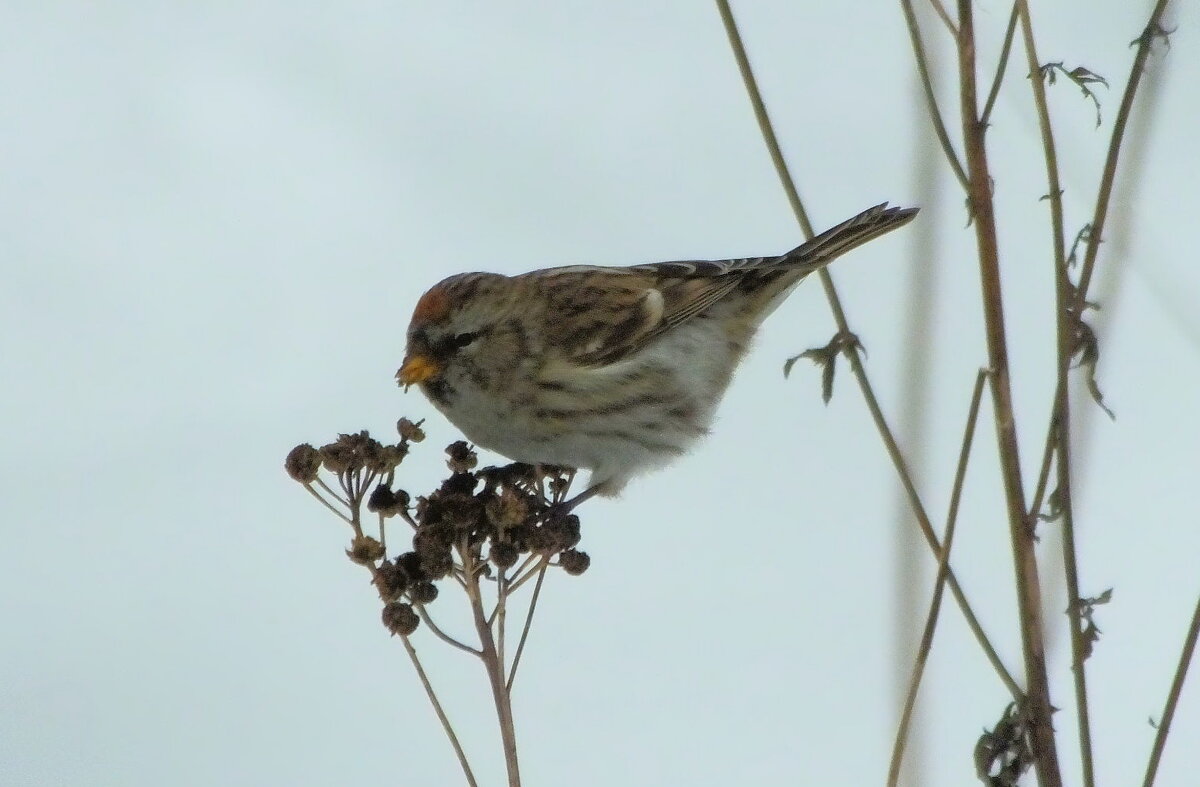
<point x="599" y="316"/>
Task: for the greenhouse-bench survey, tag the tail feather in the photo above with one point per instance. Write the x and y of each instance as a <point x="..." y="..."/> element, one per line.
<point x="809" y="256"/>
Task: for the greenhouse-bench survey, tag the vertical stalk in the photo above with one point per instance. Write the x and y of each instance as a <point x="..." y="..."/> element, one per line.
<point x="1064" y="305"/>
<point x="495" y="672"/>
<point x="1029" y="597"/>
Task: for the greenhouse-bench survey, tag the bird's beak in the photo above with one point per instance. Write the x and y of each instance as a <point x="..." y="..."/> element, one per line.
<point x="416" y="369"/>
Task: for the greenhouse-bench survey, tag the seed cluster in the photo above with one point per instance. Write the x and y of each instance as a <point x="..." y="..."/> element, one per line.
<point x="499" y="523"/>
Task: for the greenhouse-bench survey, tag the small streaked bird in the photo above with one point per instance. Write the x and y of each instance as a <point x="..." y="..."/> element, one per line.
<point x="616" y="370"/>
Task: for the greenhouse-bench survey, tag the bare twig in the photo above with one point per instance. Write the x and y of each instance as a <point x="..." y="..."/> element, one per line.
<point x="1029" y="598"/>
<point x="441" y="714"/>
<point x="1005" y="49"/>
<point x="1152" y="30"/>
<point x="935" y="115"/>
<point x="1164" y="724"/>
<point x="495" y="673"/>
<point x="864" y="383"/>
<point x="935" y="604"/>
<point x="443" y="636"/>
<point x="537" y="591"/>
<point x="944" y="15"/>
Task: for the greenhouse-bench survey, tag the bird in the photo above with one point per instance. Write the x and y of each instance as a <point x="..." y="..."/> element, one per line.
<point x="614" y="370"/>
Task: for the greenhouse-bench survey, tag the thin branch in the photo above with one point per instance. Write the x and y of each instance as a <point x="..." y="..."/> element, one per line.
<point x="327" y="504"/>
<point x="533" y="570"/>
<point x="944" y="15"/>
<point x="1062" y="404"/>
<point x="537" y="591"/>
<point x="860" y="374"/>
<point x="935" y="115"/>
<point x="1029" y="597"/>
<point x="935" y="604"/>
<point x="1164" y="724"/>
<point x="441" y="714"/>
<point x="495" y="673"/>
<point x="449" y="640"/>
<point x="986" y="116"/>
<point x="1149" y="33"/>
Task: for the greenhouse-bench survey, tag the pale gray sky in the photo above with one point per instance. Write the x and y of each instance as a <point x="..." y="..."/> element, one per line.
<point x="216" y="218"/>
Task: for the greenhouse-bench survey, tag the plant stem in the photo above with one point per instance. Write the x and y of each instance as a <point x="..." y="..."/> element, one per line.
<point x="495" y="673"/>
<point x="860" y="374"/>
<point x="1062" y="419"/>
<point x="935" y="115"/>
<point x="935" y="604"/>
<point x="441" y="714"/>
<point x="1164" y="724"/>
<point x="1029" y="598"/>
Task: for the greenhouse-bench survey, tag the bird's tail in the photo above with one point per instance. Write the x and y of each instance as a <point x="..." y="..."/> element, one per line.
<point x="820" y="250"/>
<point x="771" y="280"/>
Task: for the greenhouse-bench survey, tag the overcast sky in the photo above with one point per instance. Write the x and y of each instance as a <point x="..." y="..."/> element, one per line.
<point x="215" y="221"/>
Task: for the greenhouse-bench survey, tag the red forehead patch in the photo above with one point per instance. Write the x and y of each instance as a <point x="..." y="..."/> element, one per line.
<point x="433" y="306"/>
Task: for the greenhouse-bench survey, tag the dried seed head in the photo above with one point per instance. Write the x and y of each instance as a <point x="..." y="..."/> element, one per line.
<point x="504" y="555"/>
<point x="423" y="593"/>
<point x="462" y="458"/>
<point x="365" y="550"/>
<point x="399" y="618"/>
<point x="562" y="533"/>
<point x="382" y="499"/>
<point x="574" y="562"/>
<point x="302" y="463"/>
<point x="436" y="565"/>
<point x="390" y="581"/>
<point x="340" y="457"/>
<point x="410" y="431"/>
<point x="410" y="564"/>
<point x="506" y="509"/>
<point x="380" y="458"/>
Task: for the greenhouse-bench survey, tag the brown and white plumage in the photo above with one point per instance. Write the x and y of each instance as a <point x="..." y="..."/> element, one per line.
<point x="614" y="370"/>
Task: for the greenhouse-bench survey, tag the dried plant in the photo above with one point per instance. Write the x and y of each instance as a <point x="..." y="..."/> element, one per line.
<point x="485" y="532"/>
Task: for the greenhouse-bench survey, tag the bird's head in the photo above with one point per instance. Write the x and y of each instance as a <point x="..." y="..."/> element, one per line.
<point x="452" y="327"/>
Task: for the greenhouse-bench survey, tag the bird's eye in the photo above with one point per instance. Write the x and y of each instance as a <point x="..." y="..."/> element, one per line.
<point x="463" y="339"/>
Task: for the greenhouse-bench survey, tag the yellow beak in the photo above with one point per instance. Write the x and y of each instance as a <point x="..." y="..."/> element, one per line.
<point x="416" y="369"/>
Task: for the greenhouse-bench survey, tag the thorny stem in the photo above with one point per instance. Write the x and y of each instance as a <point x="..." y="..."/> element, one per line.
<point x="441" y="714"/>
<point x="495" y="673"/>
<point x="935" y="604"/>
<point x="1164" y="724"/>
<point x="1029" y="599"/>
<point x="1062" y="288"/>
<point x="860" y="374"/>
<point x="537" y="591"/>
<point x="1005" y="50"/>
<point x="935" y="114"/>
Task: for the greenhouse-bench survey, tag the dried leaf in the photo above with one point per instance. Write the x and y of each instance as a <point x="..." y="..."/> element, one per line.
<point x="826" y="358"/>
<point x="1082" y="77"/>
<point x="1003" y="754"/>
<point x="1087" y="351"/>
<point x="1054" y="509"/>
